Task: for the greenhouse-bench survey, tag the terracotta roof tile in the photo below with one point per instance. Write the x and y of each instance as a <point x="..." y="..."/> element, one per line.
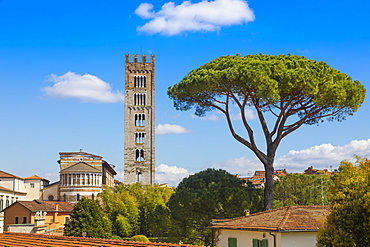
<point x="48" y="206"/>
<point x="35" y="177"/>
<point x="291" y="218"/>
<point x="8" y="175"/>
<point x="29" y="239"/>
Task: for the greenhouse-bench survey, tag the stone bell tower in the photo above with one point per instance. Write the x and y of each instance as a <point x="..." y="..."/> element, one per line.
<point x="139" y="144"/>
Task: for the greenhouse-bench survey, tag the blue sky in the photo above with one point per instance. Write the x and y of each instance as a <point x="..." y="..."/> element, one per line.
<point x="61" y="78"/>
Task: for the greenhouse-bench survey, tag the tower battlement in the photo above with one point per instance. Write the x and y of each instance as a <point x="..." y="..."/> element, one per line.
<point x="136" y="59"/>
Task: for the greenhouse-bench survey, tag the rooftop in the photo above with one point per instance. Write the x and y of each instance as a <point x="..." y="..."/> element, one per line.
<point x="290" y="218"/>
<point x="8" y="175"/>
<point x="30" y="239"/>
<point x="35" y="177"/>
<point x="48" y="206"/>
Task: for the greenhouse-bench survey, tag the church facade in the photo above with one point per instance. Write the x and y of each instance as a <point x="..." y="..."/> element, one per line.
<point x="81" y="175"/>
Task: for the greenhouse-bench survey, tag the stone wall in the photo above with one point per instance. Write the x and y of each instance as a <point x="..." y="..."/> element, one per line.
<point x="139" y="144"/>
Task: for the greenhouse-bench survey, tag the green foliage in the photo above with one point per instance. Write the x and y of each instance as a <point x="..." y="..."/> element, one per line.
<point x="270" y="79"/>
<point x="348" y="223"/>
<point x="87" y="216"/>
<point x="293" y="90"/>
<point x="122" y="209"/>
<point x="301" y="189"/>
<point x="129" y="207"/>
<point x="208" y="195"/>
<point x="139" y="238"/>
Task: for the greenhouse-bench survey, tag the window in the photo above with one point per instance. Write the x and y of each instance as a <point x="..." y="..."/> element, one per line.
<point x="260" y="243"/>
<point x="264" y="243"/>
<point x="16" y="220"/>
<point x="78" y="197"/>
<point x="139" y="137"/>
<point x="51" y="220"/>
<point x="139" y="81"/>
<point x="66" y="220"/>
<point x="139" y="155"/>
<point x="139" y="99"/>
<point x="139" y="119"/>
<point x="1" y="203"/>
<point x="51" y="198"/>
<point x="232" y="242"/>
<point x="32" y="185"/>
<point x="7" y="202"/>
<point x="139" y="177"/>
<point x="24" y="221"/>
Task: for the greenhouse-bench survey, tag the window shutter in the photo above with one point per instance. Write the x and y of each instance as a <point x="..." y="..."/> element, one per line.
<point x="255" y="243"/>
<point x="265" y="243"/>
<point x="232" y="242"/>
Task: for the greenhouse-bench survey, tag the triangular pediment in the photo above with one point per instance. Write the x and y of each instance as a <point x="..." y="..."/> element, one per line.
<point x="80" y="167"/>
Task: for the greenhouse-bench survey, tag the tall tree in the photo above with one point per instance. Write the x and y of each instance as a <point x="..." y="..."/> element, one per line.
<point x="130" y="206"/>
<point x="291" y="89"/>
<point x="122" y="209"/>
<point x="207" y="195"/>
<point x="87" y="217"/>
<point x="301" y="189"/>
<point x="348" y="223"/>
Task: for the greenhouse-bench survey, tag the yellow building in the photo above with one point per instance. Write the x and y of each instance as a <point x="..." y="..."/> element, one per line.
<point x="22" y="216"/>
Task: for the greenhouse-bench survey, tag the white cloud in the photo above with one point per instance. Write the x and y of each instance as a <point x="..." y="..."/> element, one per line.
<point x="170" y="174"/>
<point x="324" y="155"/>
<point x="120" y="176"/>
<point x="144" y="11"/>
<point x="320" y="157"/>
<point x="86" y="88"/>
<point x="163" y="129"/>
<point x="203" y="16"/>
<point x="242" y="166"/>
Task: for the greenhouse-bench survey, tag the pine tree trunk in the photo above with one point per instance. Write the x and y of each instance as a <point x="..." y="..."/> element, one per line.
<point x="268" y="197"/>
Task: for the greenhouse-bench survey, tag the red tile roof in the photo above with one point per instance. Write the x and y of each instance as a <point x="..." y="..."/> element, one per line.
<point x="35" y="177"/>
<point x="290" y="218"/>
<point x="30" y="239"/>
<point x="48" y="206"/>
<point x="8" y="175"/>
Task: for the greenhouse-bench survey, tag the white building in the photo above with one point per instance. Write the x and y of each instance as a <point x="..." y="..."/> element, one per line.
<point x="290" y="226"/>
<point x="81" y="175"/>
<point x="12" y="189"/>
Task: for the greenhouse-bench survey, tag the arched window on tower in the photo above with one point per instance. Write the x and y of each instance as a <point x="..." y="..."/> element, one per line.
<point x="139" y="119"/>
<point x="139" y="155"/>
<point x="139" y="99"/>
<point x="139" y="176"/>
<point x="139" y="81"/>
<point x="139" y="137"/>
